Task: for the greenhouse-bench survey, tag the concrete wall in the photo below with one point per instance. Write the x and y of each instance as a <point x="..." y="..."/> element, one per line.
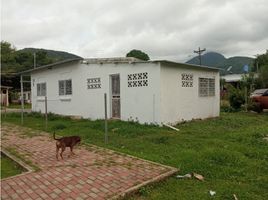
<point x="184" y="103"/>
<point x="137" y="103"/>
<point x="162" y="100"/>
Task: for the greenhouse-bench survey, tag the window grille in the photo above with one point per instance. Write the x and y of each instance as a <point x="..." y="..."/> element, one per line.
<point x="41" y="89"/>
<point x="211" y="83"/>
<point x="206" y="87"/>
<point x="65" y="87"/>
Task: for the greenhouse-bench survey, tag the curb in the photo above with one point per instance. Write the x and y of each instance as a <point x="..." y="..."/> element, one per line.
<point x="20" y="162"/>
<point x="135" y="188"/>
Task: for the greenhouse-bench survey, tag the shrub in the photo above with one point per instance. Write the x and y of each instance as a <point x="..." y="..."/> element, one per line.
<point x="255" y="106"/>
<point x="236" y="98"/>
<point x="35" y="114"/>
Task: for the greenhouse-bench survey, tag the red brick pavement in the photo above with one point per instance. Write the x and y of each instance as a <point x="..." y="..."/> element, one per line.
<point x="93" y="173"/>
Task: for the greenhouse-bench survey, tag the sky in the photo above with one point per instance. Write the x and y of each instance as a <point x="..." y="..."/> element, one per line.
<point x="167" y="29"/>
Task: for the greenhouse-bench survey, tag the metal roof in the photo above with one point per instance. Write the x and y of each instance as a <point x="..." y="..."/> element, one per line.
<point x="50" y="65"/>
<point x="115" y="61"/>
<point x="186" y="64"/>
<point x="111" y="60"/>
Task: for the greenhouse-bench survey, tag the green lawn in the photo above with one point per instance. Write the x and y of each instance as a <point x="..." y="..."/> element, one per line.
<point x="229" y="152"/>
<point x="9" y="167"/>
<point x="17" y="106"/>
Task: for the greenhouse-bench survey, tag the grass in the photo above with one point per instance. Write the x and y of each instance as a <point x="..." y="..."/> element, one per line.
<point x="9" y="167"/>
<point x="17" y="106"/>
<point x="22" y="156"/>
<point x="228" y="151"/>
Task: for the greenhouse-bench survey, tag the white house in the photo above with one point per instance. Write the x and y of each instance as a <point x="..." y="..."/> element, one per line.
<point x="144" y="91"/>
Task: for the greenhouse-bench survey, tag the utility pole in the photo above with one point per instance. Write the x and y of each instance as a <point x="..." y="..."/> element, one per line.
<point x="257" y="63"/>
<point x="34" y="56"/>
<point x="199" y="52"/>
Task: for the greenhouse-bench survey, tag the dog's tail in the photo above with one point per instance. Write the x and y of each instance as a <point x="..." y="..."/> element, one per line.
<point x="54" y="136"/>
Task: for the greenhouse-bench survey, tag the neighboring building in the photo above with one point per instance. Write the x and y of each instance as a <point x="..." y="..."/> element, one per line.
<point x="232" y="78"/>
<point x="5" y="95"/>
<point x="26" y="96"/>
<point x="235" y="79"/>
<point x="144" y="91"/>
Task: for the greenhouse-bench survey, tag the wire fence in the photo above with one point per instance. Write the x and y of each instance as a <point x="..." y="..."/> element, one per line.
<point x="45" y="102"/>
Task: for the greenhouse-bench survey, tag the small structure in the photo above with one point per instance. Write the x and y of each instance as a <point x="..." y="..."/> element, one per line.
<point x="4" y="95"/>
<point x="233" y="79"/>
<point x="144" y="91"/>
<point x="26" y="96"/>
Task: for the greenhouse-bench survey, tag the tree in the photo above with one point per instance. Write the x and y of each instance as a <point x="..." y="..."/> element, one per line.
<point x="262" y="63"/>
<point x="138" y="54"/>
<point x="13" y="61"/>
<point x="42" y="58"/>
<point x="263" y="76"/>
<point x="8" y="62"/>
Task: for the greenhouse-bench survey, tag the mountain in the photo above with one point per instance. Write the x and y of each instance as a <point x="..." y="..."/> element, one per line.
<point x="54" y="55"/>
<point x="213" y="59"/>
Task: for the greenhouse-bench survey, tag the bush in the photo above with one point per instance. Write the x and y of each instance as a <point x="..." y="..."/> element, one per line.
<point x="255" y="106"/>
<point x="35" y="114"/>
<point x="236" y="98"/>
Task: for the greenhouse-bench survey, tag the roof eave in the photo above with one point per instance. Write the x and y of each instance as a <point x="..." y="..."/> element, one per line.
<point x="191" y="65"/>
<point x="29" y="71"/>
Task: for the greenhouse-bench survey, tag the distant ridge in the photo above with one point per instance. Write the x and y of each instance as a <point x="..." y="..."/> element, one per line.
<point x="55" y="55"/>
<point x="214" y="59"/>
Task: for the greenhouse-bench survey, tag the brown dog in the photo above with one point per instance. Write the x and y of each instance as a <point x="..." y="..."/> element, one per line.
<point x="64" y="142"/>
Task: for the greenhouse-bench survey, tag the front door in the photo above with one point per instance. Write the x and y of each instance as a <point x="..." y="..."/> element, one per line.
<point x="115" y="91"/>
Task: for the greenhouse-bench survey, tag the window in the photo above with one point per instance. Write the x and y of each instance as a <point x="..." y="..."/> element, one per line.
<point x="206" y="87"/>
<point x="65" y="87"/>
<point x="41" y="89"/>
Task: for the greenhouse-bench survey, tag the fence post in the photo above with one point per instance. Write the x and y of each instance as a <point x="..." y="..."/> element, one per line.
<point x="246" y="99"/>
<point x="106" y="123"/>
<point x="46" y="110"/>
<point x="21" y="99"/>
<point x="5" y="111"/>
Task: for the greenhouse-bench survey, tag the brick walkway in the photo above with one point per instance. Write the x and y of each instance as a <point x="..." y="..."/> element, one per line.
<point x="93" y="173"/>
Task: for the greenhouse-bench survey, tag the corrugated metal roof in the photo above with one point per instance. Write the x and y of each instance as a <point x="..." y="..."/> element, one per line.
<point x="49" y="65"/>
<point x="186" y="64"/>
<point x="116" y="61"/>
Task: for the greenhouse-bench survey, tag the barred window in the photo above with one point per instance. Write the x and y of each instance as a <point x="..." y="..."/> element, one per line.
<point x="65" y="87"/>
<point x="206" y="87"/>
<point x="211" y="85"/>
<point x="41" y="89"/>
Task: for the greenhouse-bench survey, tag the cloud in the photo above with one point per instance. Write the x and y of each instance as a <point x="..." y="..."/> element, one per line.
<point x="164" y="29"/>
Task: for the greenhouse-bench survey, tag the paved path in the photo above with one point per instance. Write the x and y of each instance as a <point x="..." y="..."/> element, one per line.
<point x="93" y="173"/>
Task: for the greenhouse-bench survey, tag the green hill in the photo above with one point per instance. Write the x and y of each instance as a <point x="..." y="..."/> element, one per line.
<point x="213" y="59"/>
<point x="55" y="55"/>
<point x="20" y="60"/>
<point x="14" y="61"/>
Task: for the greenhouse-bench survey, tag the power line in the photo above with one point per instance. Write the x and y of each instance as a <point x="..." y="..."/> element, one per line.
<point x="199" y="52"/>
